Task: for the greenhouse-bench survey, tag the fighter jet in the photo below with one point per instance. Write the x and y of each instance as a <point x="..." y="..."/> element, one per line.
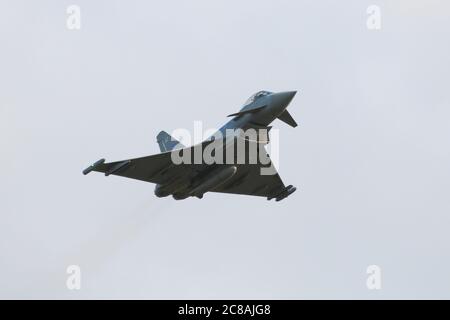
<point x="238" y="175"/>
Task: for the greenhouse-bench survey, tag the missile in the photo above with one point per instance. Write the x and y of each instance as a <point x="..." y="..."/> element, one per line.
<point x="171" y="186"/>
<point x="286" y="193"/>
<point x="213" y="180"/>
<point x="92" y="167"/>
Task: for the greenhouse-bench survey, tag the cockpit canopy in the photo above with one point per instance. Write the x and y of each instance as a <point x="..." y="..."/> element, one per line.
<point x="256" y="96"/>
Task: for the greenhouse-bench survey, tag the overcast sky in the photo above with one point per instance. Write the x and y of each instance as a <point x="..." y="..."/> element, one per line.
<point x="370" y="157"/>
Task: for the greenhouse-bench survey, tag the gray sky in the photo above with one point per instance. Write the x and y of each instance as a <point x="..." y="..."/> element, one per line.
<point x="370" y="156"/>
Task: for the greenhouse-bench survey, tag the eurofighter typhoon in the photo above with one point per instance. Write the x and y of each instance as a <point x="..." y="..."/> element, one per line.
<point x="233" y="160"/>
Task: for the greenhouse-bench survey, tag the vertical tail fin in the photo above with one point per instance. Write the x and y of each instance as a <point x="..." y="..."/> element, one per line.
<point x="167" y="142"/>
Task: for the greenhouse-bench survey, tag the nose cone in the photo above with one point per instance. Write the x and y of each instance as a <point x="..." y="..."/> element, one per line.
<point x="286" y="97"/>
<point x="281" y="100"/>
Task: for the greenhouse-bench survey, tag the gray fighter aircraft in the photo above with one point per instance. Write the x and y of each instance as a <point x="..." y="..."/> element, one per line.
<point x="194" y="179"/>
